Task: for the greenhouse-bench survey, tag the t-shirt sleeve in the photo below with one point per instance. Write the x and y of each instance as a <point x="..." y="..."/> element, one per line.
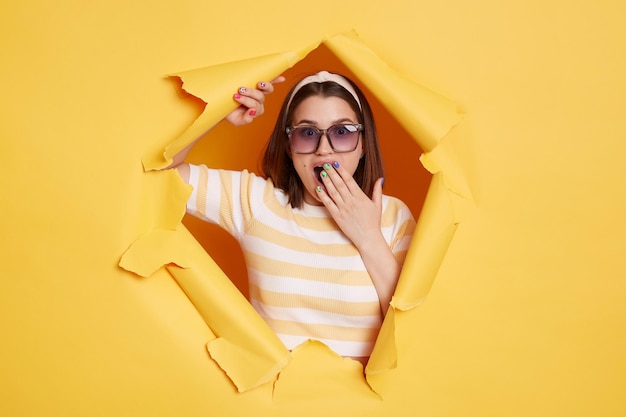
<point x="226" y="198"/>
<point x="398" y="227"/>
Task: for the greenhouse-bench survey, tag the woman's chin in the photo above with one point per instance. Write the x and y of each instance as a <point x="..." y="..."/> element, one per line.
<point x="312" y="199"/>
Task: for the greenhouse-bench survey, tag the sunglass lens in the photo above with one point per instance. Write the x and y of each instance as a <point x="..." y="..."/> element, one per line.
<point x="305" y="139"/>
<point x="344" y="137"/>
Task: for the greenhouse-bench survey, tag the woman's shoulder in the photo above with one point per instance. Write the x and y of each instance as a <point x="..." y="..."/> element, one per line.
<point x="394" y="203"/>
<point x="258" y="190"/>
<point x="395" y="208"/>
<point x="233" y="175"/>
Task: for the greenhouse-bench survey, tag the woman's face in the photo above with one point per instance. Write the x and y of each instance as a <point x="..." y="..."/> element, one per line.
<point x="323" y="112"/>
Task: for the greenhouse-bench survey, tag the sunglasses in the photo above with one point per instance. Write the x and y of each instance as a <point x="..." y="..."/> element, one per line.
<point x="341" y="137"/>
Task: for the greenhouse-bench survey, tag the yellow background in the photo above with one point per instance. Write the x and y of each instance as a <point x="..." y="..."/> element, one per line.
<point x="526" y="316"/>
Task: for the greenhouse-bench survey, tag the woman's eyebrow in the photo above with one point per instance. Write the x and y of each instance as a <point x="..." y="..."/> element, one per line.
<point x="334" y="122"/>
<point x="306" y="122"/>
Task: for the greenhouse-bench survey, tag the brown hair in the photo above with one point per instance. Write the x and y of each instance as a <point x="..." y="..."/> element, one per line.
<point x="277" y="163"/>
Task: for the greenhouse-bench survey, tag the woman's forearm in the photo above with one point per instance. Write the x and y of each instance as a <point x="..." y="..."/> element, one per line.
<point x="383" y="268"/>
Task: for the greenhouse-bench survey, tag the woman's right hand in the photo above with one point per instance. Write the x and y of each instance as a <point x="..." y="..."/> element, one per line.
<point x="251" y="102"/>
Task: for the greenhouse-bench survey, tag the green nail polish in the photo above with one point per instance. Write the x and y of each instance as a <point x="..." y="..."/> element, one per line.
<point x="324" y="174"/>
<point x="319" y="189"/>
<point x="327" y="166"/>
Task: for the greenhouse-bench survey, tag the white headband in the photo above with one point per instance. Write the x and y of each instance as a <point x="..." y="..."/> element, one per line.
<point x="322" y="76"/>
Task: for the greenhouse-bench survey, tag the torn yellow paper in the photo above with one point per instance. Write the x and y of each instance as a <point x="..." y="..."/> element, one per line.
<point x="215" y="86"/>
<point x="317" y="362"/>
<point x="246" y="349"/>
<point x="153" y="250"/>
<point x="527" y="312"/>
<point x="433" y="234"/>
<point x="255" y="354"/>
<point x="426" y="115"/>
<point x="443" y="159"/>
<point x="162" y="195"/>
<point x="385" y="354"/>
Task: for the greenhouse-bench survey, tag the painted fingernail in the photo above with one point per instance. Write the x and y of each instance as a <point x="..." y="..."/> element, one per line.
<point x="326" y="166"/>
<point x="242" y="90"/>
<point x="319" y="189"/>
<point x="237" y="96"/>
<point x="336" y="164"/>
<point x="262" y="84"/>
<point x="324" y="174"/>
<point x="252" y="112"/>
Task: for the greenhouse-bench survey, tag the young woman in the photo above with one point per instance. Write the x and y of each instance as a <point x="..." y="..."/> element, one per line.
<point x="322" y="244"/>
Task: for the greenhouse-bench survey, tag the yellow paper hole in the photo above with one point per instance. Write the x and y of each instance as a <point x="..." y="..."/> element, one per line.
<point x="241" y="148"/>
<point x="412" y="122"/>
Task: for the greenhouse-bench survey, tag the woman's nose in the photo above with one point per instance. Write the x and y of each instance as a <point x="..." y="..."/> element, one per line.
<point x="324" y="148"/>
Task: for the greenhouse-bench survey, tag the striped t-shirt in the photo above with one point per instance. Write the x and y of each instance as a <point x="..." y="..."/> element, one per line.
<point x="306" y="278"/>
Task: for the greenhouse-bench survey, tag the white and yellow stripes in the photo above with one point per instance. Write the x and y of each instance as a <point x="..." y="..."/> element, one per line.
<point x="307" y="280"/>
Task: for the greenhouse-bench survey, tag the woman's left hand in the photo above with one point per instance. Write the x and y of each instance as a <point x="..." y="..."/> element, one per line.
<point x="359" y="217"/>
<point x="356" y="214"/>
